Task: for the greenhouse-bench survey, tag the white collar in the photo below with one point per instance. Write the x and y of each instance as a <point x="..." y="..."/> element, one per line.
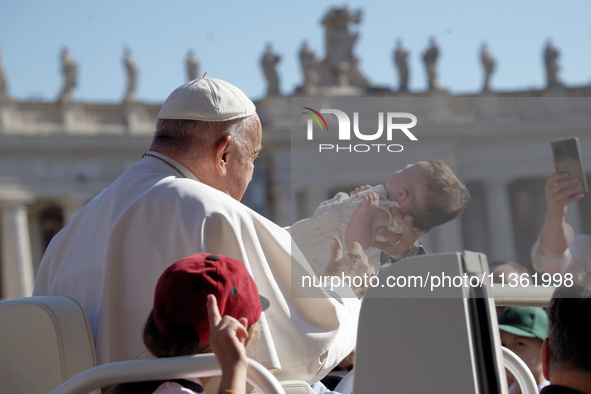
<point x="163" y="162"/>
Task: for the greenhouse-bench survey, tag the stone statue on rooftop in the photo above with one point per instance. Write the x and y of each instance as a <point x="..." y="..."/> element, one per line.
<point x="400" y="60"/>
<point x="269" y="62"/>
<point x="70" y="73"/>
<point x="131" y="70"/>
<point x="192" y="66"/>
<point x="430" y="57"/>
<point x="488" y="63"/>
<point x="551" y="55"/>
<point x="3" y="83"/>
<point x="339" y="39"/>
<point x="341" y="67"/>
<point x="309" y="66"/>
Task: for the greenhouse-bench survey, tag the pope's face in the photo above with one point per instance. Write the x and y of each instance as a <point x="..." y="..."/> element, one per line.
<point x="241" y="168"/>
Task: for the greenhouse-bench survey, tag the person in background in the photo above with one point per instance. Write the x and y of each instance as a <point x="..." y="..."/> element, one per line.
<point x="566" y="353"/>
<point x="557" y="250"/>
<point x="523" y="330"/>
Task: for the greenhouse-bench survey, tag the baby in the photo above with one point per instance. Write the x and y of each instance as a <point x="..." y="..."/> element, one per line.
<point x="428" y="191"/>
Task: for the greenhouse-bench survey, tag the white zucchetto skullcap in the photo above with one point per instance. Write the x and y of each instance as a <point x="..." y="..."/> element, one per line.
<point x="208" y="99"/>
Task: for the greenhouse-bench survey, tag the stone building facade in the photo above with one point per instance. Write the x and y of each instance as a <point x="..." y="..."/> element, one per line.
<point x="54" y="157"/>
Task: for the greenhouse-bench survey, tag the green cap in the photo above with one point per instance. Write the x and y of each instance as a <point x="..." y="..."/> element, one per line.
<point x="526" y="321"/>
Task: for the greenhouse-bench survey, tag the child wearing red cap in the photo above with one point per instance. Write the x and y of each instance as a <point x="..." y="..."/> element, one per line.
<point x="203" y="303"/>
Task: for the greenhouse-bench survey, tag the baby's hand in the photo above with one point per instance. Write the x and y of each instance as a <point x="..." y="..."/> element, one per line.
<point x="359" y="190"/>
<point x="369" y="203"/>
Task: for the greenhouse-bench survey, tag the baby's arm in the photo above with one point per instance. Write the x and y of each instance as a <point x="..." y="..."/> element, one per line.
<point x="364" y="222"/>
<point x="359" y="189"/>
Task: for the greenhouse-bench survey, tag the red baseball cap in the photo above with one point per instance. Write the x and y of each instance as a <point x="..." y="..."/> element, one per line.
<point x="180" y="301"/>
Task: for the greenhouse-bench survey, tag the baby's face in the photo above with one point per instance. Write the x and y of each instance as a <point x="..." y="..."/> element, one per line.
<point x="412" y="174"/>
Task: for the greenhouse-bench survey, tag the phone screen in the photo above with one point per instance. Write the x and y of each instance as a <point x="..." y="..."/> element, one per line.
<point x="567" y="158"/>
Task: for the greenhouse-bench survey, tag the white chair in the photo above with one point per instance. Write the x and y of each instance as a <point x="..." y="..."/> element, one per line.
<point x="525" y="379"/>
<point x="44" y="341"/>
<point x="421" y="338"/>
<point x="162" y="369"/>
<point x="46" y="344"/>
<point x="521" y="372"/>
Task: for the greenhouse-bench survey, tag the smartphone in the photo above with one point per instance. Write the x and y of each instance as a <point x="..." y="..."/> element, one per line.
<point x="567" y="158"/>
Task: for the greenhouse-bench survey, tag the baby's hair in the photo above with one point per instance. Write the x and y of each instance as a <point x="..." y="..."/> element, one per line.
<point x="443" y="197"/>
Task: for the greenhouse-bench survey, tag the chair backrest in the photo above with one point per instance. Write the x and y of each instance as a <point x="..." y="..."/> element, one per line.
<point x="44" y="341"/>
<point x="422" y="331"/>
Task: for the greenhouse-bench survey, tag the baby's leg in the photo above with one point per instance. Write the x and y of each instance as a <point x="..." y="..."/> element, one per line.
<point x="359" y="226"/>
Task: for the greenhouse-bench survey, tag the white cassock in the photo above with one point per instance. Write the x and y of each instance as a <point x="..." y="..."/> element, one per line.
<point x="110" y="256"/>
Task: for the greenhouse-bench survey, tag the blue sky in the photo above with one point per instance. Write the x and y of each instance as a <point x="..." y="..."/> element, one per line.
<point x="229" y="37"/>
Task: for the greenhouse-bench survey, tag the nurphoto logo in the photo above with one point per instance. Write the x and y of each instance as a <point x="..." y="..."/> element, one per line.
<point x="347" y="133"/>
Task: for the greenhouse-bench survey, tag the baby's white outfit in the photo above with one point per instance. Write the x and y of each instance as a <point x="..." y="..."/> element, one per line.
<point x="331" y="219"/>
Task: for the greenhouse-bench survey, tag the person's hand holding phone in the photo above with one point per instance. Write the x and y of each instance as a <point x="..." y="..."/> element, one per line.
<point x="566" y="184"/>
<point x="561" y="189"/>
<point x="568" y="160"/>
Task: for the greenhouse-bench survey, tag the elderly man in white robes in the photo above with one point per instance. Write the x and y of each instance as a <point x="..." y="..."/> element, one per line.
<point x="183" y="198"/>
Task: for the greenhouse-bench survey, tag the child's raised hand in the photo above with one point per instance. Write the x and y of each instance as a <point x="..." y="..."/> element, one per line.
<point x="226" y="337"/>
<point x="359" y="190"/>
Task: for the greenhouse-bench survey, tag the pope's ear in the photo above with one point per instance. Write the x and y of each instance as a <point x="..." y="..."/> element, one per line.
<point x="221" y="155"/>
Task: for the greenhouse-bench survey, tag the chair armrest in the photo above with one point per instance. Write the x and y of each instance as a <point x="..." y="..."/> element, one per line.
<point x="521" y="371"/>
<point x="162" y="369"/>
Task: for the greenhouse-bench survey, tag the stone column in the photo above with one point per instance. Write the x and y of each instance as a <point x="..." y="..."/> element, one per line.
<point x="70" y="115"/>
<point x="314" y="196"/>
<point x="282" y="206"/>
<point x="135" y="116"/>
<point x="17" y="263"/>
<point x="500" y="223"/>
<point x="447" y="238"/>
<point x="7" y="112"/>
